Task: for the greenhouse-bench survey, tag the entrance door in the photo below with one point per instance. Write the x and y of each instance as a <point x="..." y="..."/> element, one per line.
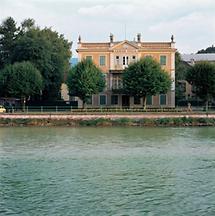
<point x="125" y="101"/>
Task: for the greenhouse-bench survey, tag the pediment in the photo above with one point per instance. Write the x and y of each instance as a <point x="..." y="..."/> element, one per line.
<point x="125" y="45"/>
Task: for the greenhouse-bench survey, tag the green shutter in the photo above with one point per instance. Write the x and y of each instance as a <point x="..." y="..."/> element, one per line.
<point x="89" y="58"/>
<point x="102" y="100"/>
<point x="102" y="60"/>
<point x="149" y="100"/>
<point x="162" y="99"/>
<point x="163" y="60"/>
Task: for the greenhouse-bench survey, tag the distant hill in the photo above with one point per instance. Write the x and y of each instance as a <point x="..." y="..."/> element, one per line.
<point x="207" y="50"/>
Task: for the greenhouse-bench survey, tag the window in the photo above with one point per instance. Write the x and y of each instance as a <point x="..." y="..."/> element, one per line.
<point x="114" y="99"/>
<point x="114" y="83"/>
<point x="162" y="99"/>
<point x="89" y="58"/>
<point x="137" y="100"/>
<point x="163" y="60"/>
<point x="102" y="99"/>
<point x="117" y="82"/>
<point x="149" y="100"/>
<point x="102" y="60"/>
<point x="125" y="60"/>
<point x="133" y="57"/>
<point x="117" y="60"/>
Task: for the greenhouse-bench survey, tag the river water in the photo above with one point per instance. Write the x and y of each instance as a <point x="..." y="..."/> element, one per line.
<point x="107" y="171"/>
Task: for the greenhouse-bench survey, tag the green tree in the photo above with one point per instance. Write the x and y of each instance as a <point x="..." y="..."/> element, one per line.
<point x="20" y="80"/>
<point x="207" y="50"/>
<point x="27" y="24"/>
<point x="202" y="77"/>
<point x="8" y="36"/>
<point x="84" y="80"/>
<point x="181" y="69"/>
<point x="49" y="52"/>
<point x="46" y="49"/>
<point x="145" y="78"/>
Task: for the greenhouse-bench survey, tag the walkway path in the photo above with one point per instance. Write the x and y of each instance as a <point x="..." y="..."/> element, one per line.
<point x="106" y="116"/>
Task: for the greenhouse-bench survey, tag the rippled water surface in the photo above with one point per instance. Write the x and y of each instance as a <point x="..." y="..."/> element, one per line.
<point x="107" y="171"/>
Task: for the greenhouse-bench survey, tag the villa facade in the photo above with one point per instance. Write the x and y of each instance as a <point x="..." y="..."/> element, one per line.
<point x="113" y="57"/>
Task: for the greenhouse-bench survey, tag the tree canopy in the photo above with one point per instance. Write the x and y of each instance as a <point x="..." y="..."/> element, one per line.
<point x="20" y="80"/>
<point x="8" y="36"/>
<point x="145" y="78"/>
<point x="46" y="49"/>
<point x="207" y="50"/>
<point x="85" y="79"/>
<point x="181" y="69"/>
<point x="202" y="77"/>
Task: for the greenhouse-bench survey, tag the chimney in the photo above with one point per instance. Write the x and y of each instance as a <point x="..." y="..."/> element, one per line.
<point x="139" y="38"/>
<point x="79" y="41"/>
<point x="111" y="38"/>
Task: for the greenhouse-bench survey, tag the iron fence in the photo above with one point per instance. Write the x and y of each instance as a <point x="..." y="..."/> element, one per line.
<point x="70" y="109"/>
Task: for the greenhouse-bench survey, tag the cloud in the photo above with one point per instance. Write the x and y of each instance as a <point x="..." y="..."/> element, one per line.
<point x="192" y="21"/>
<point x="107" y="11"/>
<point x="193" y="30"/>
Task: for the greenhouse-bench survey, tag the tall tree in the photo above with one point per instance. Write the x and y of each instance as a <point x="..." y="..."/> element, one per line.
<point x="181" y="69"/>
<point x="84" y="80"/>
<point x="49" y="52"/>
<point x="46" y="49"/>
<point x="145" y="78"/>
<point x="8" y="35"/>
<point x="202" y="77"/>
<point x="20" y="80"/>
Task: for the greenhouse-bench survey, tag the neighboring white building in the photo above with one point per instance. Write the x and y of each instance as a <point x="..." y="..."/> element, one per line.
<point x="193" y="58"/>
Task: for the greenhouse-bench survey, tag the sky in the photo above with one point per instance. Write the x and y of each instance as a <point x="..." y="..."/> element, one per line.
<point x="192" y="22"/>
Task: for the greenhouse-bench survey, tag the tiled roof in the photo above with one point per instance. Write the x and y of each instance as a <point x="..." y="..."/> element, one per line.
<point x="135" y="43"/>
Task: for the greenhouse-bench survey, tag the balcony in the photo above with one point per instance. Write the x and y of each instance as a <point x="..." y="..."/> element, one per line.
<point x="118" y="68"/>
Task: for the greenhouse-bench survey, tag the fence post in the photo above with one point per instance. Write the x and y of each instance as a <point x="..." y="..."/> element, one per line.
<point x="56" y="109"/>
<point x="41" y="109"/>
<point x="71" y="109"/>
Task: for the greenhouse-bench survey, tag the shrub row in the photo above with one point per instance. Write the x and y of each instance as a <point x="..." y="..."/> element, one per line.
<point x="111" y="122"/>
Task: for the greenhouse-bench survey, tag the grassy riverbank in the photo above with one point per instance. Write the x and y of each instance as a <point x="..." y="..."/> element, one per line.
<point x="102" y="122"/>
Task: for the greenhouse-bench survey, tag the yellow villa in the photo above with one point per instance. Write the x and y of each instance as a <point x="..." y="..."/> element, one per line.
<point x="114" y="56"/>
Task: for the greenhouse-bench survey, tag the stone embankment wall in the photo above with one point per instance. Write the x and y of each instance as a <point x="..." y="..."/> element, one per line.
<point x="144" y="119"/>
